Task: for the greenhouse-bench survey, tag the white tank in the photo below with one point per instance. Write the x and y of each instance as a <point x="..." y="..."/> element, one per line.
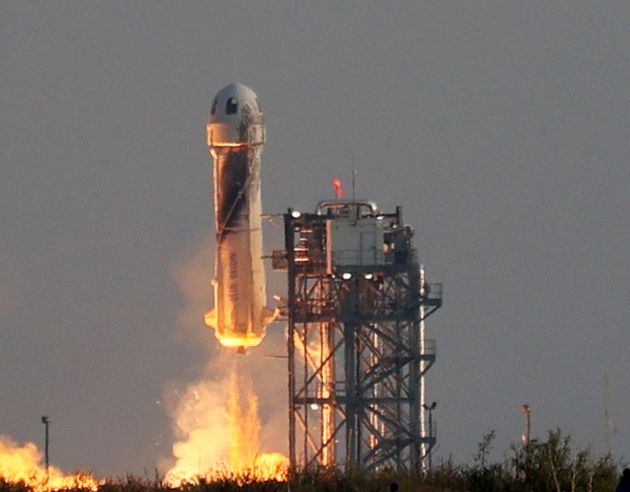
<point x="236" y="136"/>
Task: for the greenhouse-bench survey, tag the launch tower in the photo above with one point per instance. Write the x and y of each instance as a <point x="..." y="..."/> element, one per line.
<point x="357" y="355"/>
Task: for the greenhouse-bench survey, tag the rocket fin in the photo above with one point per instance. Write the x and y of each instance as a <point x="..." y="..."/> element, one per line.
<point x="211" y="319"/>
<point x="268" y="316"/>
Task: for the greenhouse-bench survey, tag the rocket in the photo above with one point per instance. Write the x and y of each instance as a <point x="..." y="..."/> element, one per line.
<point x="236" y="136"/>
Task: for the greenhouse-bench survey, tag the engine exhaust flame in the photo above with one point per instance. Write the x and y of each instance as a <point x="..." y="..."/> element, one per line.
<point x="23" y="464"/>
<point x="219" y="425"/>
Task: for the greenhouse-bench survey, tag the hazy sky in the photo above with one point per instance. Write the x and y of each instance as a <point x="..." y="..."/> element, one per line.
<point x="501" y="127"/>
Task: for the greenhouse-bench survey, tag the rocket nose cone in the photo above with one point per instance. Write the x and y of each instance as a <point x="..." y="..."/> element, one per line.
<point x="235" y="101"/>
<point x="235" y="117"/>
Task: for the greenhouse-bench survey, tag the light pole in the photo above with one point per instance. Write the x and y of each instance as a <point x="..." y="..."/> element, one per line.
<point x="526" y="409"/>
<point x="430" y="408"/>
<point x="46" y="422"/>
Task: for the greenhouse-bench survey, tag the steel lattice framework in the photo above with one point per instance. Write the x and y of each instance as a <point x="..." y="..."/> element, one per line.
<point x="356" y="353"/>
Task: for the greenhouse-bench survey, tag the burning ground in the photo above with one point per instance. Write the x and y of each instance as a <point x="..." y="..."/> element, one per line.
<point x="23" y="464"/>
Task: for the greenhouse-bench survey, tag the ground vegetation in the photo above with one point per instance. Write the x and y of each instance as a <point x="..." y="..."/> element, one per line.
<point x="552" y="464"/>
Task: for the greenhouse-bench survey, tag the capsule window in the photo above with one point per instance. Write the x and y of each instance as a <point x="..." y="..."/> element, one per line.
<point x="231" y="106"/>
<point x="214" y="106"/>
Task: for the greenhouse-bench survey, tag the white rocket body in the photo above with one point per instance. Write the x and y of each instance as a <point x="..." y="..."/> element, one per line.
<point x="236" y="136"/>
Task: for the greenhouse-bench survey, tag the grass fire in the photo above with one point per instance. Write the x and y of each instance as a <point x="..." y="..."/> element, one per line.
<point x="22" y="464"/>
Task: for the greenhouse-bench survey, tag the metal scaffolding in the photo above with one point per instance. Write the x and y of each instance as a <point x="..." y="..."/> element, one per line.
<point x="356" y="351"/>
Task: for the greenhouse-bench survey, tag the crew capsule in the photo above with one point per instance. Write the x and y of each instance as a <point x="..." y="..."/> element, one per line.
<point x="235" y="118"/>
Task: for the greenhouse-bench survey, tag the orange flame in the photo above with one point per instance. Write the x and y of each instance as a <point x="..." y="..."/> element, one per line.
<point x="245" y="434"/>
<point x="23" y="464"/>
<point x="219" y="423"/>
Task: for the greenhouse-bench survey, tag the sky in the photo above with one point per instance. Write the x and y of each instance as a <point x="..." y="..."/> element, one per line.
<point x="501" y="127"/>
